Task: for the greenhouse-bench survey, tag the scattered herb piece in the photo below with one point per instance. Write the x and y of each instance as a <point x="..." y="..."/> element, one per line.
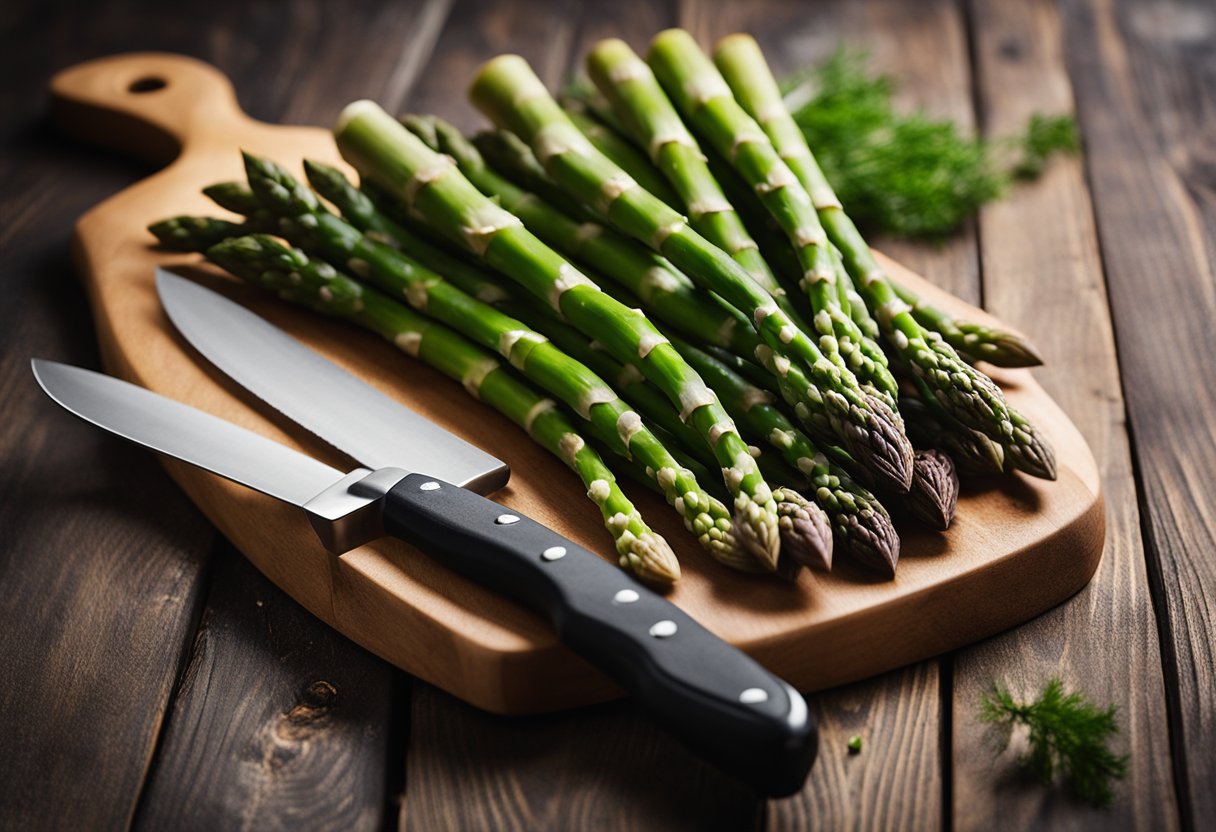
<point x="1068" y="739"/>
<point x="910" y="175"/>
<point x="855" y="744"/>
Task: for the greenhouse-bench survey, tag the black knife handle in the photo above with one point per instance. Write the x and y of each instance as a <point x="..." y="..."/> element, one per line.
<point x="713" y="697"/>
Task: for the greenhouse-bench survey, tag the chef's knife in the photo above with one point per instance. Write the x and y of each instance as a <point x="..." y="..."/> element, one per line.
<point x="715" y="698"/>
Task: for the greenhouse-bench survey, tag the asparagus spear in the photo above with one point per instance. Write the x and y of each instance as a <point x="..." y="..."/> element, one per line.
<point x="652" y="122"/>
<point x="264" y="261"/>
<point x="305" y="222"/>
<point x="186" y="233"/>
<point x="358" y="209"/>
<point x="509" y="92"/>
<point x="664" y="290"/>
<point x="947" y="382"/>
<point x="701" y="95"/>
<point x="934" y="492"/>
<point x="627" y="157"/>
<point x="509" y="156"/>
<point x="385" y="152"/>
<point x="973" y="340"/>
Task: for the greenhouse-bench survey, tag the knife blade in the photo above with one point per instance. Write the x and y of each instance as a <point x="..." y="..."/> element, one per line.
<point x="346" y="412"/>
<point x="715" y="698"/>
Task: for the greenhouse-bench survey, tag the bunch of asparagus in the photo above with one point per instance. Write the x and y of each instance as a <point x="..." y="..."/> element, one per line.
<point x="654" y="279"/>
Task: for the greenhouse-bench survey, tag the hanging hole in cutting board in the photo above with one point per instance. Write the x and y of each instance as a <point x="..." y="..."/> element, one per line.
<point x="149" y="83"/>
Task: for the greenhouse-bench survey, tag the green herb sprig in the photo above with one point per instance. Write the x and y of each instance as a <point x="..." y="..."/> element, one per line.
<point x="1068" y="739"/>
<point x="909" y="174"/>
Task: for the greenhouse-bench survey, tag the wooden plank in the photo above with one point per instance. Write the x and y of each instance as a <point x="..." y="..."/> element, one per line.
<point x="897" y="780"/>
<point x="278" y="722"/>
<point x="101" y="557"/>
<point x="1042" y="272"/>
<point x="1145" y="82"/>
<point x="601" y="767"/>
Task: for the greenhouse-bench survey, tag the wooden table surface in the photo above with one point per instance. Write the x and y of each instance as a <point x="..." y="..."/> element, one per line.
<point x="151" y="677"/>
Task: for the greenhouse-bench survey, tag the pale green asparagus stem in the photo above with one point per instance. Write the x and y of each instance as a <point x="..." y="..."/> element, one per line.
<point x="265" y="262"/>
<point x="945" y="380"/>
<point x="631" y="160"/>
<point x="509" y="92"/>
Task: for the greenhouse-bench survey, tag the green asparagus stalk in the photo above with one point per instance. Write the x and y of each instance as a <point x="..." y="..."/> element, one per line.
<point x="653" y="123"/>
<point x="804" y="531"/>
<point x="946" y="381"/>
<point x="358" y="209"/>
<point x="509" y="92"/>
<point x="265" y="262"/>
<point x="305" y="222"/>
<point x="508" y="155"/>
<point x="627" y="157"/>
<point x="975" y="341"/>
<point x="665" y="291"/>
<point x="702" y="96"/>
<point x="186" y="233"/>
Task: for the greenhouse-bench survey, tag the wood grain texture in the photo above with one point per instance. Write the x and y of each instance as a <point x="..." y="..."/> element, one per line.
<point x="277" y="723"/>
<point x="1145" y="76"/>
<point x="100" y="556"/>
<point x="1042" y="271"/>
<point x="601" y="767"/>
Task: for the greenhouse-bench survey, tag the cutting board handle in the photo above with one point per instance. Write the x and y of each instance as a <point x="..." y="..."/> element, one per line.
<point x="153" y="104"/>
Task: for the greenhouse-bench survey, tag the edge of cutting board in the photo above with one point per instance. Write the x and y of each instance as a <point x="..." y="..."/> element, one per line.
<point x="1018" y="546"/>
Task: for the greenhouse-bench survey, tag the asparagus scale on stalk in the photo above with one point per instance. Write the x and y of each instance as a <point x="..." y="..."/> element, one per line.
<point x="509" y="92"/>
<point x="392" y="157"/>
<point x="700" y="93"/>
<point x="305" y="222"/>
<point x="946" y="382"/>
<point x="265" y="262"/>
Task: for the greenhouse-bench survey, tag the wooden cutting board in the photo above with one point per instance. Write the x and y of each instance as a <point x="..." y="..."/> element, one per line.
<point x="1018" y="546"/>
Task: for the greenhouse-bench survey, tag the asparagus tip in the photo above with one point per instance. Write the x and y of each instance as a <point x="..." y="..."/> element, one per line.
<point x="756" y="530"/>
<point x="806" y="533"/>
<point x="934" y="493"/>
<point x="872" y="541"/>
<point x="883" y="450"/>
<point x="1005" y="349"/>
<point x="651" y="558"/>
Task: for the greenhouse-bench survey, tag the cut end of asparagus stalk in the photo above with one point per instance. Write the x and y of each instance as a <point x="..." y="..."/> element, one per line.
<point x="650" y="557"/>
<point x="871" y="541"/>
<point x="806" y="533"/>
<point x="880" y="448"/>
<point x="757" y="531"/>
<point x="934" y="493"/>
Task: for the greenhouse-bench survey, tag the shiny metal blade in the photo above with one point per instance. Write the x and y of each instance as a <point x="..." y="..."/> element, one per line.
<point x="319" y="395"/>
<point x="190" y="435"/>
